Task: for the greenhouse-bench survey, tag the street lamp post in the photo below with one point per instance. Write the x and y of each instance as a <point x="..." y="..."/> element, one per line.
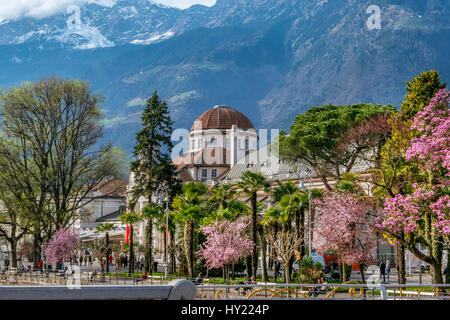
<point x="161" y="190"/>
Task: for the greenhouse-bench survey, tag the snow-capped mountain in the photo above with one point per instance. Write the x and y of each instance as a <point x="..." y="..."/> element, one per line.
<point x="117" y="22"/>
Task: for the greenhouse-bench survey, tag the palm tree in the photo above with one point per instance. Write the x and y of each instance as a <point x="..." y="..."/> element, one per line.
<point x="224" y="205"/>
<point x="150" y="212"/>
<point x="170" y="235"/>
<point x="293" y="202"/>
<point x="271" y="220"/>
<point x="106" y="227"/>
<point x="223" y="194"/>
<point x="282" y="189"/>
<point x="130" y="218"/>
<point x="190" y="212"/>
<point x="250" y="184"/>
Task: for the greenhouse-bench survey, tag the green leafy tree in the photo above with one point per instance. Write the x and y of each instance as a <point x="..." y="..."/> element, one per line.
<point x="420" y="91"/>
<point x="392" y="174"/>
<point x="50" y="156"/>
<point x="314" y="138"/>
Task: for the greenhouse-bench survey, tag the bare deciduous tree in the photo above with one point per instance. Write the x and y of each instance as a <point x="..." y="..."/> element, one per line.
<point x="285" y="244"/>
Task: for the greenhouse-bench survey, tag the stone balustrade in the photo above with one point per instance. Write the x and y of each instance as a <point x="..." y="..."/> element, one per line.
<point x="175" y="290"/>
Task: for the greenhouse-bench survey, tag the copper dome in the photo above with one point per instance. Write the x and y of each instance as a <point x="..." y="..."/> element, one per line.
<point x="222" y="118"/>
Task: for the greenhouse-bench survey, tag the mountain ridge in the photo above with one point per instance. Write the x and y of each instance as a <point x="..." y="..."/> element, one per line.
<point x="269" y="59"/>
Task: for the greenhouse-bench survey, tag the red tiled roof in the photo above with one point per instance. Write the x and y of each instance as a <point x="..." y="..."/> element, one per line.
<point x="112" y="187"/>
<point x="222" y="117"/>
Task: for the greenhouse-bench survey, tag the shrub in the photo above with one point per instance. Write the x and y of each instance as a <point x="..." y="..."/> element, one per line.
<point x="309" y="271"/>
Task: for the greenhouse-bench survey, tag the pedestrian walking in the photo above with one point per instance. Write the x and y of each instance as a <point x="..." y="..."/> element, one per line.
<point x="6" y="263"/>
<point x="388" y="269"/>
<point x="93" y="275"/>
<point x="383" y="270"/>
<point x="122" y="261"/>
<point x="81" y="260"/>
<point x="90" y="260"/>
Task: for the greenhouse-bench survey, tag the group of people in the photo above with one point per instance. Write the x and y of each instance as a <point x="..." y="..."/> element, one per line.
<point x="385" y="270"/>
<point x="87" y="259"/>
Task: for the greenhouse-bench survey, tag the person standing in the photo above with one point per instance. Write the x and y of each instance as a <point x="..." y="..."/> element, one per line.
<point x="6" y="263"/>
<point x="41" y="265"/>
<point x="277" y="269"/>
<point x="383" y="270"/>
<point x="81" y="260"/>
<point x="122" y="261"/>
<point x="388" y="269"/>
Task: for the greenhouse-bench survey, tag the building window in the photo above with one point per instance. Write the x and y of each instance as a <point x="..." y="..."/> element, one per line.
<point x="214" y="173"/>
<point x="204" y="173"/>
<point x="212" y="141"/>
<point x="241" y="144"/>
<point x="246" y="145"/>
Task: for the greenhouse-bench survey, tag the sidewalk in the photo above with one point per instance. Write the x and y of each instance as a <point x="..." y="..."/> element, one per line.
<point x="413" y="279"/>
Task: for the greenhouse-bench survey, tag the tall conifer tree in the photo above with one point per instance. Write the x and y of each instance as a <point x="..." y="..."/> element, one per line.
<point x="152" y="166"/>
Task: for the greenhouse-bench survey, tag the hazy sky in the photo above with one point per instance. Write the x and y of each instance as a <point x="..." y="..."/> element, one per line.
<point x="15" y="9"/>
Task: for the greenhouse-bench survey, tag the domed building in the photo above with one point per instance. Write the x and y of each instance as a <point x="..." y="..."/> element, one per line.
<point x="219" y="138"/>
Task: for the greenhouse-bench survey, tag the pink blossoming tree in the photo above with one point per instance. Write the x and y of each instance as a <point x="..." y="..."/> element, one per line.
<point x="226" y="242"/>
<point x="62" y="247"/>
<point x="344" y="224"/>
<point x="424" y="215"/>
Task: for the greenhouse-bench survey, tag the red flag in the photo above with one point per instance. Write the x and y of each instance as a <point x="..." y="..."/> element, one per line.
<point x="165" y="229"/>
<point x="128" y="234"/>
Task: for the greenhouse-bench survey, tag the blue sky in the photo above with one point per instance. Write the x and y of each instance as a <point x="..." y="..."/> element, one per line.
<point x="16" y="9"/>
